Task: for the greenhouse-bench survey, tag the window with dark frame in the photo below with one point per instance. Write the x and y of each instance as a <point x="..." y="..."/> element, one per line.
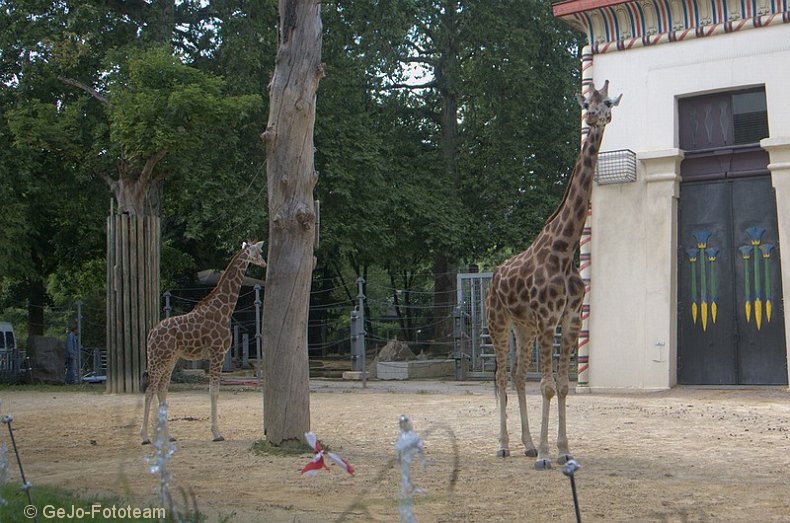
<point x="721" y="132"/>
<point x="750" y="116"/>
<point x="723" y="119"/>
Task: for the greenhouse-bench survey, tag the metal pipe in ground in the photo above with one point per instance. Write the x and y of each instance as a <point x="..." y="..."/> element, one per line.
<point x="25" y="485"/>
<point x="569" y="469"/>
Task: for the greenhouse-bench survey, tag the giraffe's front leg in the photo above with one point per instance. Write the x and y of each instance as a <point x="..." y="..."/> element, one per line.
<point x="501" y="348"/>
<point x="571" y="326"/>
<point x="215" y="368"/>
<point x="501" y="390"/>
<point x="564" y="455"/>
<point x="548" y="389"/>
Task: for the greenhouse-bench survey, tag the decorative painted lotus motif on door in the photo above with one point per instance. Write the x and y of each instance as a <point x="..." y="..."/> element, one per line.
<point x="757" y="285"/>
<point x="756" y="282"/>
<point x="704" y="285"/>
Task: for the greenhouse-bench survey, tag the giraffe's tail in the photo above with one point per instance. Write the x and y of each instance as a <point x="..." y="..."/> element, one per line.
<point x="144" y="381"/>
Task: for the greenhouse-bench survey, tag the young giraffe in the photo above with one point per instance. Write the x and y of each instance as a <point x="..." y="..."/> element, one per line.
<point x="541" y="288"/>
<point x="203" y="333"/>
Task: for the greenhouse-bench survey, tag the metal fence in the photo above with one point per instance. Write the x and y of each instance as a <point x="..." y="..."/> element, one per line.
<point x="13" y="364"/>
<point x="474" y="350"/>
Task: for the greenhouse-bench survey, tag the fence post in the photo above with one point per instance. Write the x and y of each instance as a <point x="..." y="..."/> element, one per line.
<point x="459" y="354"/>
<point x="79" y="341"/>
<point x="236" y="343"/>
<point x="245" y="351"/>
<point x="258" y="339"/>
<point x="361" y="330"/>
<point x="355" y="359"/>
<point x="167" y="304"/>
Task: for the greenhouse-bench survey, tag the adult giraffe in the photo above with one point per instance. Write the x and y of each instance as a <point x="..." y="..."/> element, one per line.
<point x="541" y="288"/>
<point x="202" y="333"/>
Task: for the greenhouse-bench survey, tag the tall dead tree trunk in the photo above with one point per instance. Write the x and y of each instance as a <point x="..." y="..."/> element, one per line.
<point x="291" y="177"/>
<point x="447" y="73"/>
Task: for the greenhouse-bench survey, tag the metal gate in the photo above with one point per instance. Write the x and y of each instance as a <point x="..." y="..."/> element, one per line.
<point x="473" y="348"/>
<point x="730" y="310"/>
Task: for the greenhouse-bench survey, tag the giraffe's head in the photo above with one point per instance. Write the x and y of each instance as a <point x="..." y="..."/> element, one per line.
<point x="598" y="106"/>
<point x="255" y="253"/>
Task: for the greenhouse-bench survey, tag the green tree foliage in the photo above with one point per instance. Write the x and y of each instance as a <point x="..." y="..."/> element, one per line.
<point x="89" y="101"/>
<point x="490" y="131"/>
<point x="520" y="122"/>
<point x="466" y="166"/>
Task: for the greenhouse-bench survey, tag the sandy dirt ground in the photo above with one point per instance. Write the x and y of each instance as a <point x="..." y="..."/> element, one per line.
<point x="681" y="455"/>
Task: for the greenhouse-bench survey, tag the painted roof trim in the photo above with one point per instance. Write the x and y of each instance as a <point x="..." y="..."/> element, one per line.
<point x="569" y="7"/>
<point x="625" y="24"/>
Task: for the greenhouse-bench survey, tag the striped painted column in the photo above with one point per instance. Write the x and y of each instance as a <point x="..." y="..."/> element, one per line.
<point x="583" y="353"/>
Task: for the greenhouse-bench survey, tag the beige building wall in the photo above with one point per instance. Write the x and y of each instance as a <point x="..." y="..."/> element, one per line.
<point x="633" y="336"/>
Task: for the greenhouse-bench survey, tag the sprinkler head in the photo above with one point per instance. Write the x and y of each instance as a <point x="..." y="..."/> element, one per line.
<point x="570" y="468"/>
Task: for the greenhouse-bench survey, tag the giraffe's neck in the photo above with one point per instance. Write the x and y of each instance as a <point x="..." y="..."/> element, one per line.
<point x="226" y="293"/>
<point x="568" y="221"/>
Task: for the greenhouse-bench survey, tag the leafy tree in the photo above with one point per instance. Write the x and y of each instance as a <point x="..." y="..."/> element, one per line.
<point x="496" y="102"/>
<point x="89" y="57"/>
<point x="39" y="190"/>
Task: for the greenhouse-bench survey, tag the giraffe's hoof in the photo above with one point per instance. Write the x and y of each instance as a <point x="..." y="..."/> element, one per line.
<point x="531" y="453"/>
<point x="146" y="441"/>
<point x="562" y="459"/>
<point x="503" y="453"/>
<point x="543" y="464"/>
<point x="219" y="438"/>
<point x="173" y="439"/>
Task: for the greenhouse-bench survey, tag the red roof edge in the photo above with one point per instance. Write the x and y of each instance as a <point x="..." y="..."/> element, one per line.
<point x="569" y="7"/>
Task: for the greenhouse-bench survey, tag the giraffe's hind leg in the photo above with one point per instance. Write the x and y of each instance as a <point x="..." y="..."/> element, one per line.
<point x="161" y="394"/>
<point x="215" y="368"/>
<point x="158" y="381"/>
<point x="149" y="394"/>
<point x="499" y="330"/>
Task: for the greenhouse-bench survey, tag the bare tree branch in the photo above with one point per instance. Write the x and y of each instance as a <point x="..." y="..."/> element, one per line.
<point x="418" y="60"/>
<point x="422" y="51"/>
<point x="148" y="168"/>
<point x="109" y="180"/>
<point x="88" y="89"/>
<point x="428" y="85"/>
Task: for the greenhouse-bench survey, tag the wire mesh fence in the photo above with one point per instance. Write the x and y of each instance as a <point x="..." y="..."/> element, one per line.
<point x="391" y="313"/>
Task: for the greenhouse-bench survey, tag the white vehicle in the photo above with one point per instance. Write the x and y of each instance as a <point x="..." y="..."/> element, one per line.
<point x="7" y="338"/>
<point x="8" y="353"/>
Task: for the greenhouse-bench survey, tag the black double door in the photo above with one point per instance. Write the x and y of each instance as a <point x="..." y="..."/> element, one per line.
<point x="730" y="320"/>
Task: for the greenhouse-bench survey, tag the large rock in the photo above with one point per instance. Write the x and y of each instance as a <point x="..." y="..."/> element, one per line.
<point x="48" y="359"/>
<point x="395" y="350"/>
